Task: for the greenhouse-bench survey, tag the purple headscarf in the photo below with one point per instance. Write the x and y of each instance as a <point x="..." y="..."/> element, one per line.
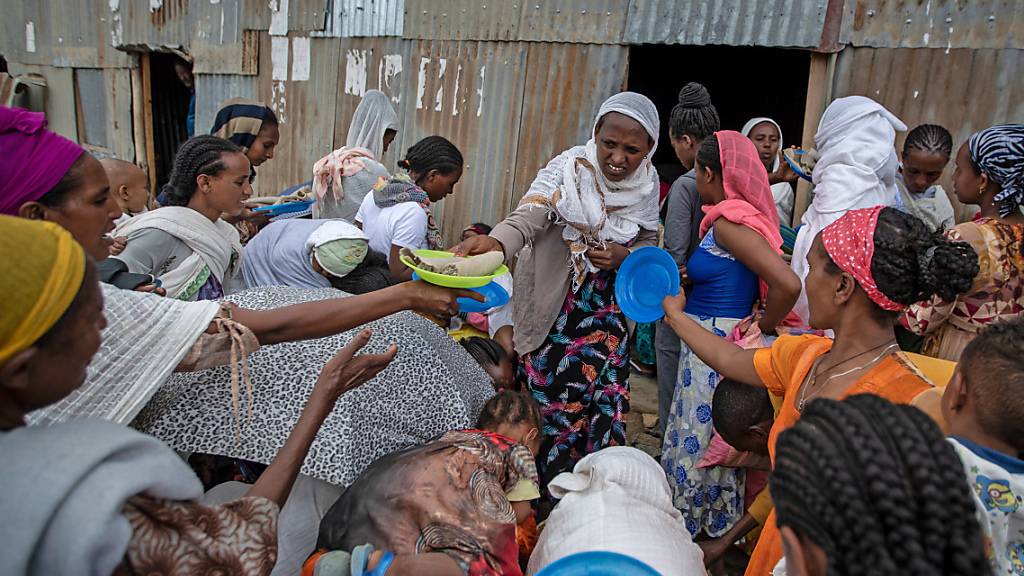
<point x="32" y="159"/>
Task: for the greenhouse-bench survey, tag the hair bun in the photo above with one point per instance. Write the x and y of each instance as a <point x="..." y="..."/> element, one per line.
<point x="404" y="164"/>
<point x="694" y="95"/>
<point x="947" y="268"/>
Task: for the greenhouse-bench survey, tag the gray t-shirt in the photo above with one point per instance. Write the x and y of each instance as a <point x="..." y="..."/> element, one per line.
<point x="682" y="217"/>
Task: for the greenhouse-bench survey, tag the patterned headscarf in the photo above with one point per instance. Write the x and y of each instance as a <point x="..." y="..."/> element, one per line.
<point x="999" y="152"/>
<point x="401" y="188"/>
<point x="32" y="159"/>
<point x="240" y="120"/>
<point x="850" y="242"/>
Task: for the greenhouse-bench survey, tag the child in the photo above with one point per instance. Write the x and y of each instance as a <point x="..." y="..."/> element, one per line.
<point x="450" y="506"/>
<point x="130" y="187"/>
<point x="984" y="408"/>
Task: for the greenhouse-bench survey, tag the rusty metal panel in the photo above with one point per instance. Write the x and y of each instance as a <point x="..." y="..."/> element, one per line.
<point x="219" y="43"/>
<point x="962" y="89"/>
<point x="61" y="34"/>
<point x="783" y="23"/>
<point x="212" y="89"/>
<point x="153" y="24"/>
<point x="60" y="97"/>
<point x="597" y="22"/>
<point x="365" y="18"/>
<point x="946" y="24"/>
<point x="565" y="86"/>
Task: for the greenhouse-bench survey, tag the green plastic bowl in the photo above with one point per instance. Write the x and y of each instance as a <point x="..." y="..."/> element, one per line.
<point x="450" y="281"/>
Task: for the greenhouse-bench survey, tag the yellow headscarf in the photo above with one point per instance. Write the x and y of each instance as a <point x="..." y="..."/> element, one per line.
<point x="44" y="272"/>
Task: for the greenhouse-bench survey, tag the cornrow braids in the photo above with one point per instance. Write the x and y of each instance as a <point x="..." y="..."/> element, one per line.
<point x="432" y="153"/>
<point x="199" y="155"/>
<point x="508" y="407"/>
<point x="708" y="154"/>
<point x="878" y="488"/>
<point x="929" y="138"/>
<point x="993" y="370"/>
<point x="485" y="351"/>
<point x="694" y="114"/>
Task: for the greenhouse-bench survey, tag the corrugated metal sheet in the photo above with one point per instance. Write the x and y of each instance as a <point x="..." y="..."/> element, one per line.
<point x="796" y="23"/>
<point x="63" y="34"/>
<point x="168" y="25"/>
<point x="936" y="24"/>
<point x="361" y="18"/>
<point x="962" y="89"/>
<point x="212" y="89"/>
<point x="60" y="97"/>
<point x="596" y="21"/>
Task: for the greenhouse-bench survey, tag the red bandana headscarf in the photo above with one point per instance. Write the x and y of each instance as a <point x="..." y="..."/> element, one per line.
<point x="850" y="242"/>
<point x="32" y="159"/>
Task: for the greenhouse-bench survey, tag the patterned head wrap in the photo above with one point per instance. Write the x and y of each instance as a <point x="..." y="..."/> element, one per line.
<point x="44" y="276"/>
<point x="240" y="121"/>
<point x="850" y="242"/>
<point x="32" y="159"/>
<point x="999" y="152"/>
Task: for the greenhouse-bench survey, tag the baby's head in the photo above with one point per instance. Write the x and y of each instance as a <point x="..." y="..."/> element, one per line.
<point x="514" y="415"/>
<point x="128" y="183"/>
<point x="742" y="415"/>
<point x="986" y="395"/>
<point x="492" y="358"/>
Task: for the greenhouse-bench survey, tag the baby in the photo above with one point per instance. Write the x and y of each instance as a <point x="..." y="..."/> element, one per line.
<point x="130" y="187"/>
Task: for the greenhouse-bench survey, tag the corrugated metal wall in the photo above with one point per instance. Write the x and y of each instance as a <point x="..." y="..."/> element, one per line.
<point x="935" y="24"/>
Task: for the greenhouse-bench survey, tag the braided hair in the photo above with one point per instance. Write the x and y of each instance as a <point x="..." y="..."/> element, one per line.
<point x="878" y="488"/>
<point x="929" y="138"/>
<point x="694" y="114"/>
<point x="432" y="153"/>
<point x="993" y="370"/>
<point x="708" y="154"/>
<point x="200" y="155"/>
<point x="508" y="407"/>
<point x="911" y="264"/>
<point x="485" y="351"/>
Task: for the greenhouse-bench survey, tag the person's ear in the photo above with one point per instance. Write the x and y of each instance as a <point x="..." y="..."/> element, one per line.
<point x="955" y="395"/>
<point x="688" y="140"/>
<point x="14" y="374"/>
<point x="203" y="182"/>
<point x="707" y="174"/>
<point x="122" y="192"/>
<point x="760" y="430"/>
<point x="802" y="558"/>
<point x="844" y="288"/>
<point x="32" y="211"/>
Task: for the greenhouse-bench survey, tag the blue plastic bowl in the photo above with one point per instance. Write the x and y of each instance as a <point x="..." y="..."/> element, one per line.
<point x="286" y="208"/>
<point x="796" y="167"/>
<point x="598" y="564"/>
<point x="493" y="293"/>
<point x="644" y="279"/>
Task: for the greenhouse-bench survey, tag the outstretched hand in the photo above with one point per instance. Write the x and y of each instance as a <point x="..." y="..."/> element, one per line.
<point x="436" y="300"/>
<point x="348" y="370"/>
<point x="674" y="305"/>
<point x="784" y="173"/>
<point x="474" y="245"/>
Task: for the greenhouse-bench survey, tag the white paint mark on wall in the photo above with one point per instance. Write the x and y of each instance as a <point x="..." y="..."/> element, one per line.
<point x="439" y="97"/>
<point x="355" y="72"/>
<point x="926" y="37"/>
<point x="421" y="83"/>
<point x="278" y="102"/>
<point x="300" y="59"/>
<point x="455" y="92"/>
<point x="278" y="17"/>
<point x="116" y="26"/>
<point x="155" y="5"/>
<point x="916" y="92"/>
<point x="389" y="68"/>
<point x="279" y="58"/>
<point x="480" y="92"/>
<point x="949" y="42"/>
<point x="214" y="2"/>
<point x="222" y="26"/>
<point x="30" y="36"/>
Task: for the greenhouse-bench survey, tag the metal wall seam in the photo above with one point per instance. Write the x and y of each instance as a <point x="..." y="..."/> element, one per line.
<point x="945" y="24"/>
<point x="365" y="18"/>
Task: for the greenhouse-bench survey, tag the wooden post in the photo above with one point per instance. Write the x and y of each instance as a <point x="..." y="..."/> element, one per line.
<point x="147" y="121"/>
<point x="819" y="90"/>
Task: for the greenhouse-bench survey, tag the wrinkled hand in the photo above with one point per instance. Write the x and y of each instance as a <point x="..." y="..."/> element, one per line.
<point x="152" y="289"/>
<point x="437" y="301"/>
<point x="474" y="245"/>
<point x="674" y="305"/>
<point x="118" y="245"/>
<point x="784" y="173"/>
<point x="609" y="259"/>
<point x="347" y="370"/>
<point x="713" y="549"/>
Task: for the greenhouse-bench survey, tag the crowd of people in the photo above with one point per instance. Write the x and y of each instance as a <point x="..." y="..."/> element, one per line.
<point x="190" y="386"/>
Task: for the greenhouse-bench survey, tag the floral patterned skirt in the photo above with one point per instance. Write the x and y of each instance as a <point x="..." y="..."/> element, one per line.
<point x="580" y="377"/>
<point x="711" y="499"/>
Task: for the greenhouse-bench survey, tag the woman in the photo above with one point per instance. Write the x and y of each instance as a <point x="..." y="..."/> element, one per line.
<point x="857" y="169"/>
<point x="766" y="134"/>
<point x="863" y="486"/>
<point x="990" y="174"/>
<point x="350" y="172"/>
<point x="312" y="254"/>
<point x="123" y="501"/>
<point x="926" y="152"/>
<point x="185" y="244"/>
<point x="864" y="269"/>
<point x="741" y="245"/>
<point x="397" y="215"/>
<point x="587" y="208"/>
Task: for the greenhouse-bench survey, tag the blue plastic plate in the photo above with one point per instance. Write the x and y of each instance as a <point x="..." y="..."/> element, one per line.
<point x="493" y="293"/>
<point x="645" y="277"/>
<point x="598" y="564"/>
<point x="284" y="208"/>
<point x="796" y="167"/>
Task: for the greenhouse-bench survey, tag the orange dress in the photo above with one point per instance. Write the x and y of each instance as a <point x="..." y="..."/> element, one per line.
<point x="783" y="369"/>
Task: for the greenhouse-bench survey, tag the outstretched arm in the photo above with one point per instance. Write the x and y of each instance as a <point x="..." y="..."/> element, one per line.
<point x="726" y="358"/>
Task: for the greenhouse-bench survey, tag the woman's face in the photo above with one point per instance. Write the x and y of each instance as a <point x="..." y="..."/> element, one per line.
<point x="921" y="169"/>
<point x="438" y="185"/>
<point x="87" y="211"/>
<point x="967" y="182"/>
<point x="622" y="144"/>
<point x="227" y="190"/>
<point x="766" y="139"/>
<point x="685" y="148"/>
<point x="821" y="286"/>
<point x="262" y="148"/>
<point x="389" y="137"/>
<point x="709" y="185"/>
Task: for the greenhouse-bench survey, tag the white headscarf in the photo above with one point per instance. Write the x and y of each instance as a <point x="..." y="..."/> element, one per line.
<point x="857" y="169"/>
<point x="373" y="117"/>
<point x="585" y="199"/>
<point x="754" y="122"/>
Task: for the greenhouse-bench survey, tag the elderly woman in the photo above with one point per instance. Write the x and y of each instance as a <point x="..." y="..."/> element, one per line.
<point x="122" y="501"/>
<point x="857" y="169"/>
<point x="349" y="173"/>
<point x="583" y="213"/>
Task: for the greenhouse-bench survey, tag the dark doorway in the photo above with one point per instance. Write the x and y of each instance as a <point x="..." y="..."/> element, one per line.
<point x="170" y="98"/>
<point x="744" y="82"/>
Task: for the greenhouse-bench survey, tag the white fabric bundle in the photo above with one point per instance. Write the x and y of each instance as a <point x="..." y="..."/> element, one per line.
<point x="617" y="500"/>
<point x="372" y="118"/>
<point x="857" y="169"/>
